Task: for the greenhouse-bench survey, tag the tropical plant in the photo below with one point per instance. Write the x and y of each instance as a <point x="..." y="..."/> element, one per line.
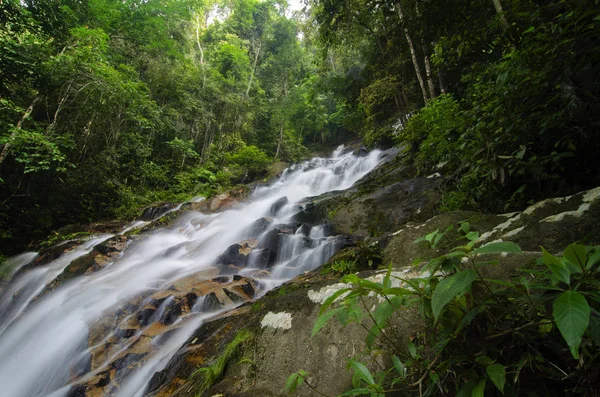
<point x="534" y="333"/>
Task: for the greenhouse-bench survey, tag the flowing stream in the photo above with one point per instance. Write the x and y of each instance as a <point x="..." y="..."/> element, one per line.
<point x="45" y="346"/>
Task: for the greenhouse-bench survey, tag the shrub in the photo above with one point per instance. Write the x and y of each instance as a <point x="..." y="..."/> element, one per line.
<point x="247" y="163"/>
<point x="535" y="334"/>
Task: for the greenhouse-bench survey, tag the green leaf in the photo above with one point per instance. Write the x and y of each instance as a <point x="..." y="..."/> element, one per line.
<point x="479" y="389"/>
<point x="557" y="268"/>
<point x="329" y="301"/>
<point x="576" y="254"/>
<point x="467" y="389"/>
<point x="594" y="328"/>
<point x="595" y="258"/>
<point x="449" y="288"/>
<point x="472" y="236"/>
<point x="372" y="336"/>
<point x="356" y="392"/>
<point x="399" y="367"/>
<point x="483" y="360"/>
<point x="294" y="380"/>
<point x="412" y="349"/>
<point x="572" y="315"/>
<point x="323" y="318"/>
<point x="465" y="227"/>
<point x="382" y="313"/>
<point x="429" y="237"/>
<point x="499" y="247"/>
<point x="397" y="291"/>
<point x="497" y="374"/>
<point x="361" y="371"/>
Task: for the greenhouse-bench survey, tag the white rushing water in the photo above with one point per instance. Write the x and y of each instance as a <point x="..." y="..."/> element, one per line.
<point x="44" y="334"/>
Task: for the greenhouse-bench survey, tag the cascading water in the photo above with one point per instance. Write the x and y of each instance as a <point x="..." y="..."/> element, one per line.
<point x="108" y="328"/>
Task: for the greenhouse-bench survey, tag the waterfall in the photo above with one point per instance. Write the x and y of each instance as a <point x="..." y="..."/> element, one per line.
<point x="108" y="327"/>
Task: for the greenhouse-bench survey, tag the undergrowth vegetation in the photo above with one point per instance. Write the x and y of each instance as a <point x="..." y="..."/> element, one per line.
<point x="522" y="128"/>
<point x="212" y="373"/>
<point x="534" y="334"/>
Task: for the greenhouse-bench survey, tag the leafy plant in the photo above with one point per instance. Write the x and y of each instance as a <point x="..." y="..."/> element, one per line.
<point x="480" y="335"/>
<point x="341" y="267"/>
<point x="212" y="373"/>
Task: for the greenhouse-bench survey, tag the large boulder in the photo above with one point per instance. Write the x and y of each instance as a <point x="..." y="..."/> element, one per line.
<point x="278" y="205"/>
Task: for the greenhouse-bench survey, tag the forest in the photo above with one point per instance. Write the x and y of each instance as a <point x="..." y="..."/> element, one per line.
<point x="108" y="106"/>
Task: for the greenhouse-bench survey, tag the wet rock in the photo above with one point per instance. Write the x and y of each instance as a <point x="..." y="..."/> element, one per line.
<point x="220" y="202"/>
<point x="102" y="255"/>
<point x="286" y="226"/>
<point x="210" y="303"/>
<point x="270" y="240"/>
<point x="304" y="229"/>
<point x="50" y="254"/>
<point x="325" y="355"/>
<point x="277" y="206"/>
<point x="385" y="209"/>
<point x="232" y="256"/>
<point x="135" y="332"/>
<point x="112" y="245"/>
<point x="361" y="152"/>
<point x="172" y="311"/>
<point x="262" y="259"/>
<point x="156" y="211"/>
<point x="310" y="215"/>
<point x="258" y="227"/>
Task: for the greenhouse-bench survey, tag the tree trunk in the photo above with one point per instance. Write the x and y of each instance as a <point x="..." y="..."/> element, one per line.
<point x="429" y="78"/>
<point x="412" y="53"/>
<point x="280" y="140"/>
<point x="442" y="80"/>
<point x="253" y="69"/>
<point x="500" y="11"/>
<point x="200" y="49"/>
<point x="7" y="145"/>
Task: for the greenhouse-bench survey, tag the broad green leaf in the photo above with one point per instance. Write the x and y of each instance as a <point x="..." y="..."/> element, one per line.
<point x="329" y="301"/>
<point x="465" y="227"/>
<point x="479" y="389"/>
<point x="361" y="371"/>
<point x="372" y="336"/>
<point x="572" y="315"/>
<point x="356" y="392"/>
<point x="449" y="288"/>
<point x="382" y="313"/>
<point x="467" y="389"/>
<point x="594" y="328"/>
<point x="294" y="381"/>
<point x="557" y="268"/>
<point x="466" y="320"/>
<point x="397" y="291"/>
<point x="417" y="241"/>
<point x="412" y="349"/>
<point x="399" y="366"/>
<point x="497" y="374"/>
<point x="472" y="236"/>
<point x="483" y="360"/>
<point x="576" y="254"/>
<point x="323" y="318"/>
<point x="429" y="237"/>
<point x="498" y="247"/>
<point x="595" y="258"/>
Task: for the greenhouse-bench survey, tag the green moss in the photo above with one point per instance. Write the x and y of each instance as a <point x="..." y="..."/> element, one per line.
<point x="212" y="373"/>
<point x="56" y="238"/>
